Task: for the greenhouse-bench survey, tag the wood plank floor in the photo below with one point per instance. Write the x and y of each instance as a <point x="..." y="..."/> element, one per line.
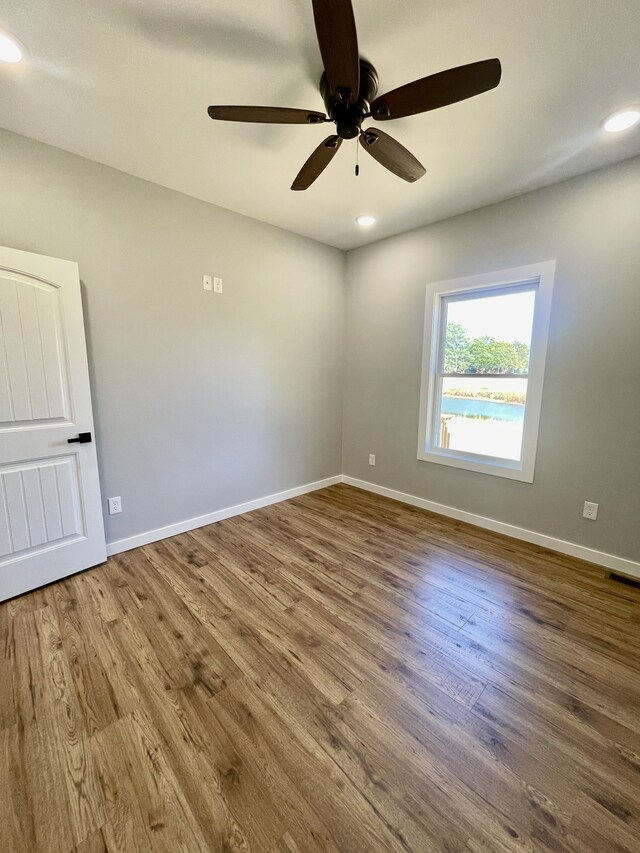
<point x="339" y="673"/>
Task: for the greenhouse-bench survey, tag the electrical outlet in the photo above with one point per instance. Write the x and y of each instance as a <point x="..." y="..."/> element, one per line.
<point x="590" y="511"/>
<point x="372" y="459"/>
<point x="115" y="505"/>
<point x="207" y="282"/>
<point x="217" y="285"/>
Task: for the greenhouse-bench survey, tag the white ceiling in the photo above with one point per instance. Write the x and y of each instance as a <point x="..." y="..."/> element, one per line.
<point x="127" y="83"/>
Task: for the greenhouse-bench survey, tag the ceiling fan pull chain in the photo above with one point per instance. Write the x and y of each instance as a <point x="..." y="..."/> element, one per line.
<point x="357" y="160"/>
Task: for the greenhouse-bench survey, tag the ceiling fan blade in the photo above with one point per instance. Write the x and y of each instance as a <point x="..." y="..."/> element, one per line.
<point x="268" y="115"/>
<point x="338" y="40"/>
<point x="390" y="154"/>
<point x="317" y="163"/>
<point x="438" y="90"/>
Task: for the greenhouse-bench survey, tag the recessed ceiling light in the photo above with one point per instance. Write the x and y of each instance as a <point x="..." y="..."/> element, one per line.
<point x="365" y="221"/>
<point x="622" y="121"/>
<point x="10" y="49"/>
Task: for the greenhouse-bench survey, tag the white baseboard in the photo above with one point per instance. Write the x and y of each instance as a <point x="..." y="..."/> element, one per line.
<point x="608" y="561"/>
<point x="200" y="521"/>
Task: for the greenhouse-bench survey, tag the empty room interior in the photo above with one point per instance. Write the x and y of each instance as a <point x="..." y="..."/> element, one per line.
<point x="320" y="426"/>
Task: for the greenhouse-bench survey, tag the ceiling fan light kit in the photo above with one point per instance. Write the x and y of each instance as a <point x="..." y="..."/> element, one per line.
<point x="349" y="89"/>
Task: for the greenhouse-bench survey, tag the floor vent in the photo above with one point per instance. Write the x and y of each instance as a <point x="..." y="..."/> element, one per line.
<point x="625" y="580"/>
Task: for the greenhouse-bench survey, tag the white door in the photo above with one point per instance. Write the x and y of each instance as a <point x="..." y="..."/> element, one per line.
<point x="50" y="506"/>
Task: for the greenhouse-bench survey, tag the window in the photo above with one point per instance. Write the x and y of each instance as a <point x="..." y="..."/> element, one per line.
<point x="483" y="366"/>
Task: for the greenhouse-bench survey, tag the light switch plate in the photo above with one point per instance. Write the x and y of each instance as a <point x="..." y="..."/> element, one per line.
<point x="207" y="282"/>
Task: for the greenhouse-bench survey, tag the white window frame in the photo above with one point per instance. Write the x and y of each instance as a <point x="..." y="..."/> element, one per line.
<point x="541" y="276"/>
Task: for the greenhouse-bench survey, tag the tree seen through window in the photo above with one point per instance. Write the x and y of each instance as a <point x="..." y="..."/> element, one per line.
<point x="484" y="355"/>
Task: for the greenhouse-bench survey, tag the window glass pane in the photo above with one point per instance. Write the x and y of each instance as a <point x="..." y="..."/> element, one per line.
<point x="489" y="334"/>
<point x="482" y="415"/>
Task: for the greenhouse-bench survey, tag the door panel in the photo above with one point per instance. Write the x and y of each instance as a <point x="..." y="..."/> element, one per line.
<point x="40" y="505"/>
<point x="50" y="505"/>
<point x="33" y="376"/>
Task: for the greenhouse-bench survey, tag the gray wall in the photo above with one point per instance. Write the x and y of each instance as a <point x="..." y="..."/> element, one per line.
<point x="201" y="401"/>
<point x="589" y="443"/>
<point x="204" y="401"/>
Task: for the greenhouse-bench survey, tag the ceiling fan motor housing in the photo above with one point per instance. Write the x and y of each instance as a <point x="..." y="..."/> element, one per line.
<point x="348" y="115"/>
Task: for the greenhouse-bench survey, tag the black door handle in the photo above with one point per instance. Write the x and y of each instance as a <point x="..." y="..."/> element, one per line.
<point x="83" y="438"/>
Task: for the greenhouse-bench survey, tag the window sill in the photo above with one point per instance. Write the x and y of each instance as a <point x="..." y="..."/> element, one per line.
<point x="495" y="467"/>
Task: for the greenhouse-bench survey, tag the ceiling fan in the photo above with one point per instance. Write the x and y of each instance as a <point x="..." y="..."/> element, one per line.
<point x="349" y="87"/>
